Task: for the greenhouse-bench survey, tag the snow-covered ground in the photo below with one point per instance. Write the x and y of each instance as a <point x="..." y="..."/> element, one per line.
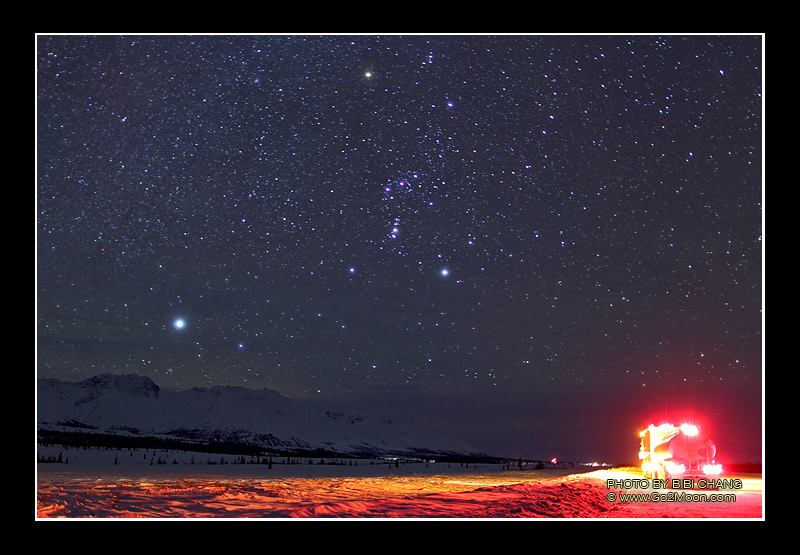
<point x="175" y="484"/>
<point x="89" y="486"/>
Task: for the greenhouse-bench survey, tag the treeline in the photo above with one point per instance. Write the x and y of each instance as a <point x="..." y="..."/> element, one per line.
<point x="113" y="441"/>
<point x="53" y="459"/>
<point x="101" y="440"/>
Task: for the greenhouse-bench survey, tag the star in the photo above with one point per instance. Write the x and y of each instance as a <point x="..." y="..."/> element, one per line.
<point x="260" y="174"/>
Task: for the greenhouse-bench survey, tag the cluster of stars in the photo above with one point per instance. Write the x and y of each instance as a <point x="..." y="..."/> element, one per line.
<point x="470" y="211"/>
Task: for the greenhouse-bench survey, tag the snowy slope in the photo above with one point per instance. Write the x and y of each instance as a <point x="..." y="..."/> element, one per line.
<point x="131" y="403"/>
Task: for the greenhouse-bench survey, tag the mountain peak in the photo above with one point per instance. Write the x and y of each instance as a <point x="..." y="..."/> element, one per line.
<point x="130" y="384"/>
<point x="109" y="402"/>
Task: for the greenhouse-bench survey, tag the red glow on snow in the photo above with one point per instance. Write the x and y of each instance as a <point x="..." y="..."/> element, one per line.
<point x="413" y="496"/>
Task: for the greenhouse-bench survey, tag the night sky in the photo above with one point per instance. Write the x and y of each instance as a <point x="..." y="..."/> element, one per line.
<point x="538" y="243"/>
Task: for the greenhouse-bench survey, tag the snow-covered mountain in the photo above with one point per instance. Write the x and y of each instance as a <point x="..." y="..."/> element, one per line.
<point x="131" y="404"/>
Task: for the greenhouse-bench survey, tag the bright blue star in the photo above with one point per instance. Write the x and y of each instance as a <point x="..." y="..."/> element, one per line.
<point x="445" y="271"/>
<point x="179" y="324"/>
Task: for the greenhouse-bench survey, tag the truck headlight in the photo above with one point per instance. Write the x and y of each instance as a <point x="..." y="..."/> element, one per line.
<point x="712" y="469"/>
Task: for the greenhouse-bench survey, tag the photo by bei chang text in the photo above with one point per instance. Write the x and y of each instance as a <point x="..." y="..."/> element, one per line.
<point x="676" y="483"/>
<point x="673" y="484"/>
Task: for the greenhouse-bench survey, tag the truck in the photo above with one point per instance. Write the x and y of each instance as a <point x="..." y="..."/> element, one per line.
<point x="684" y="451"/>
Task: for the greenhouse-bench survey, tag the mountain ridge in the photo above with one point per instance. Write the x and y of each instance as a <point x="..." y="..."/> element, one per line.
<point x="263" y="418"/>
